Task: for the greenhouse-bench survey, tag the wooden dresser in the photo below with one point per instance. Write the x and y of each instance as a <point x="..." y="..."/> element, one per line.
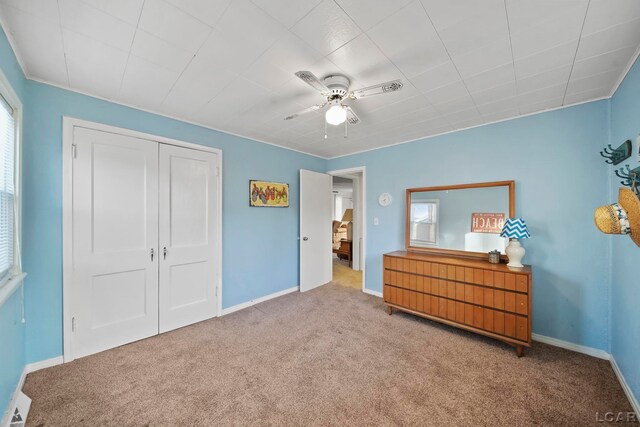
<point x="490" y="299"/>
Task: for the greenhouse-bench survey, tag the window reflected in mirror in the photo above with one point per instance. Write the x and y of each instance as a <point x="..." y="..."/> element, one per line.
<point x="459" y="219"/>
<point x="424" y="222"/>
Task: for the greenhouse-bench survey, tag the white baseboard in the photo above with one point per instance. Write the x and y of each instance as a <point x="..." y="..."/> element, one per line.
<point x="32" y="367"/>
<point x="625" y="386"/>
<point x="247" y="304"/>
<point x="600" y="354"/>
<point x="6" y="417"/>
<point x="374" y="293"/>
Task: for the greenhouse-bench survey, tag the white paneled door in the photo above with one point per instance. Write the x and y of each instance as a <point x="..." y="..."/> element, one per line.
<point x="115" y="240"/>
<point x="188" y="219"/>
<point x="145" y="238"/>
<point x="315" y="229"/>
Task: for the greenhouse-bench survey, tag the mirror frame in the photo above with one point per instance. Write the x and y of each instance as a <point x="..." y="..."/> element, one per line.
<point x="512" y="213"/>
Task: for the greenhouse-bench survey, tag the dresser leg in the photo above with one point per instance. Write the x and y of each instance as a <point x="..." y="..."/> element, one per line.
<point x="520" y="350"/>
<point x="389" y="310"/>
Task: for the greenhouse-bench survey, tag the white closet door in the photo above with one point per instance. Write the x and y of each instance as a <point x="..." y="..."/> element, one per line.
<point x="188" y="236"/>
<point x="115" y="230"/>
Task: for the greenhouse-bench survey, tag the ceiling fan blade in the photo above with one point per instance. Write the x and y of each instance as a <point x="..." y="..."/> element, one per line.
<point x="309" y="78"/>
<point x="352" y="117"/>
<point x="305" y="111"/>
<point x="380" y="89"/>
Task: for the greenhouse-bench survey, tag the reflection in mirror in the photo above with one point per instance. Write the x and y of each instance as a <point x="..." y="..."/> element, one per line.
<point x="424" y="222"/>
<point x="466" y="219"/>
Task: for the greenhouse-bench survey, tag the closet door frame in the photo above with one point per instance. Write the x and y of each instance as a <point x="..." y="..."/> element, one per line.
<point x="68" y="152"/>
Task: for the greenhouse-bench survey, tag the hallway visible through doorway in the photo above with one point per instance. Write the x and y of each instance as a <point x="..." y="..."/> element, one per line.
<point x="348" y="235"/>
<point x="346" y="276"/>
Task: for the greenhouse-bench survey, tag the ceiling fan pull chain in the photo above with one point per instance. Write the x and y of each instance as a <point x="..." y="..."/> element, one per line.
<point x="346" y="122"/>
<point x="325" y="129"/>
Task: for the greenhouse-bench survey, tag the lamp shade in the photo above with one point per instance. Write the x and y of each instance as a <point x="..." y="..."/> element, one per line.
<point x="348" y="215"/>
<point x="515" y="228"/>
<point x="336" y="115"/>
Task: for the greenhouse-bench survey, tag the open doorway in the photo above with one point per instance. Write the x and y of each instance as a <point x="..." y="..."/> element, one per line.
<point x="348" y="227"/>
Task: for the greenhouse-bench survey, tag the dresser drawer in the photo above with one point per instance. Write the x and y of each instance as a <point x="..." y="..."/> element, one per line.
<point x="499" y="280"/>
<point x="485" y="298"/>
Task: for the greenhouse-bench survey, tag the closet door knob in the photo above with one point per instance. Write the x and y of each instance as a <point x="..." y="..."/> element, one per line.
<point x="152" y="253"/>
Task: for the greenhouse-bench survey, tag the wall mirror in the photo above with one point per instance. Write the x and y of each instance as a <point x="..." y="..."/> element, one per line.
<point x="459" y="219"/>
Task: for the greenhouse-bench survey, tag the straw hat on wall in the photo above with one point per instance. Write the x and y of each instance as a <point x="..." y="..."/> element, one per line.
<point x="622" y="217"/>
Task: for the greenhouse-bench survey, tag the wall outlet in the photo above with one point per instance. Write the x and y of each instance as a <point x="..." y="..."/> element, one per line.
<point x="375" y="221"/>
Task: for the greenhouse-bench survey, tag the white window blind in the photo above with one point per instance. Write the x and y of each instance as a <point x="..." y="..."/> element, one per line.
<point x="7" y="188"/>
<point x="424" y="223"/>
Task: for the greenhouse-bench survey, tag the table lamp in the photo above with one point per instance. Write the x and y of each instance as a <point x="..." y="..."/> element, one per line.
<point x="348" y="218"/>
<point x="514" y="229"/>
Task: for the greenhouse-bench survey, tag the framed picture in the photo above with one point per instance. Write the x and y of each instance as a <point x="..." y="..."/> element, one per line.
<point x="490" y="223"/>
<point x="268" y="194"/>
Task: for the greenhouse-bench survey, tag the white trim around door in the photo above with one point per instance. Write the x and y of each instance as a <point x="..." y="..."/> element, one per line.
<point x="360" y="170"/>
<point x="69" y="123"/>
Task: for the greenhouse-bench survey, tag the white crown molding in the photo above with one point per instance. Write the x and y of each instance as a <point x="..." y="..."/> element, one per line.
<point x="169" y="116"/>
<point x="28" y="77"/>
<point x="472" y="127"/>
<point x="632" y="61"/>
<point x="306" y="152"/>
<point x="14" y="47"/>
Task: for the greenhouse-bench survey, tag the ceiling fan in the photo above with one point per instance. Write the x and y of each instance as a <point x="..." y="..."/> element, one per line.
<point x="335" y="88"/>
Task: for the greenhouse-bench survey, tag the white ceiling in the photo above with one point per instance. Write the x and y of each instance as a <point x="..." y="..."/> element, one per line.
<point x="229" y="64"/>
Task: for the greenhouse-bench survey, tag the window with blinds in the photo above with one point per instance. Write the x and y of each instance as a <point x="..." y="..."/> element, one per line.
<point x="7" y="188"/>
<point x="424" y="223"/>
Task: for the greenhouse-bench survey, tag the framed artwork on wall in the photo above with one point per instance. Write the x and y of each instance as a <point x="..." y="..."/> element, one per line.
<point x="268" y="194"/>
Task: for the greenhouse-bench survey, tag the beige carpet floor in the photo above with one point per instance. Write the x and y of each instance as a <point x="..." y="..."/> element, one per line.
<point x="346" y="276"/>
<point x="330" y="356"/>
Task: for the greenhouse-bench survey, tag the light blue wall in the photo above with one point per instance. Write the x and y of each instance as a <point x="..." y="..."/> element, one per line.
<point x="625" y="279"/>
<point x="260" y="246"/>
<point x="12" y="330"/>
<point x="260" y="253"/>
<point x="553" y="157"/>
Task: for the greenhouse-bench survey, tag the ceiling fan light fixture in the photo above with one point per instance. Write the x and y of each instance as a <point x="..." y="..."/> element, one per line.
<point x="336" y="115"/>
